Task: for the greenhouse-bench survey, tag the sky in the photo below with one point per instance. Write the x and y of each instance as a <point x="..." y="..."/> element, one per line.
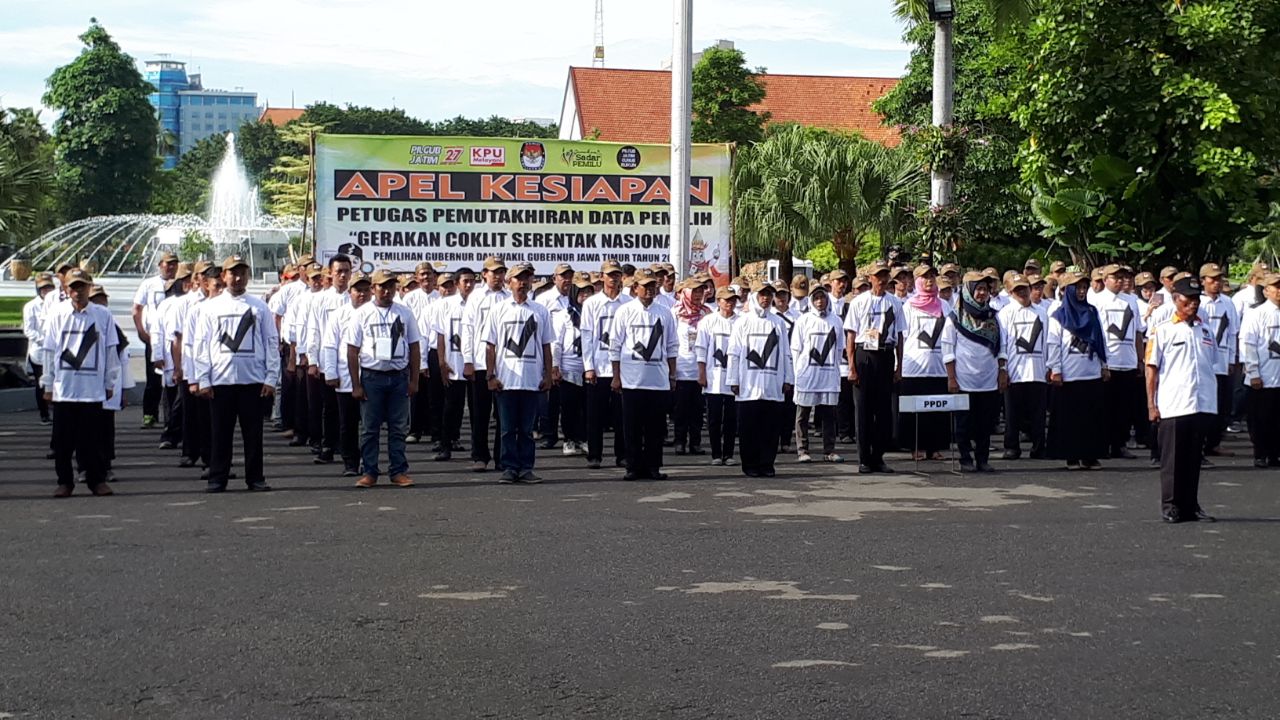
<point x="436" y="58"/>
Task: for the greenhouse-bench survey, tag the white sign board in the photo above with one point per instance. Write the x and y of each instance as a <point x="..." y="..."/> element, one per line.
<point x="932" y="403"/>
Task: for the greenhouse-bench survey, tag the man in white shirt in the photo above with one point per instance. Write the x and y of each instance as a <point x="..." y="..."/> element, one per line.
<point x="447" y="322"/>
<point x="333" y="363"/>
<point x="426" y="408"/>
<point x="279" y="302"/>
<point x="1124" y="330"/>
<point x="33" y="329"/>
<point x="492" y="292"/>
<point x="236" y="367"/>
<point x="322" y="308"/>
<point x="761" y="377"/>
<point x="1182" y="396"/>
<point x="643" y="350"/>
<point x="307" y="429"/>
<point x="517" y="340"/>
<point x="1260" y="353"/>
<point x="873" y="327"/>
<point x="555" y="300"/>
<point x="714" y="332"/>
<point x="163" y="318"/>
<point x="383" y="349"/>
<point x="604" y="406"/>
<point x="1168" y="275"/>
<point x="148" y="296"/>
<point x="1024" y="327"/>
<point x="197" y="417"/>
<point x="1218" y="313"/>
<point x="81" y="369"/>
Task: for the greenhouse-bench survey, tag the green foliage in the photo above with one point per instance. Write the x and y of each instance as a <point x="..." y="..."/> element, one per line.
<point x="259" y="144"/>
<point x="285" y="187"/>
<point x="1151" y="127"/>
<point x="106" y="130"/>
<point x="195" y="245"/>
<point x="27" y="201"/>
<point x="723" y="90"/>
<point x="824" y="257"/>
<point x="358" y="120"/>
<point x="185" y="188"/>
<point x="942" y="148"/>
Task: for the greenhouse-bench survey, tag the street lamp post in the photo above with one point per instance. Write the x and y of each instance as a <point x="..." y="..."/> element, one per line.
<point x="941" y="12"/>
<point x="681" y="141"/>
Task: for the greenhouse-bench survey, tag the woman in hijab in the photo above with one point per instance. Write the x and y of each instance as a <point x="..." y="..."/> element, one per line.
<point x="923" y="371"/>
<point x="975" y="362"/>
<point x="687" y="418"/>
<point x="760" y="375"/>
<point x="1077" y="353"/>
<point x="566" y="361"/>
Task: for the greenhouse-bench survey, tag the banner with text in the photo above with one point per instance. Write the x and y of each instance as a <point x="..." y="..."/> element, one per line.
<point x="395" y="201"/>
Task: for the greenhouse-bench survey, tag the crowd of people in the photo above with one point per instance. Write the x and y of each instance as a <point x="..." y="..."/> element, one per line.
<point x="1084" y="365"/>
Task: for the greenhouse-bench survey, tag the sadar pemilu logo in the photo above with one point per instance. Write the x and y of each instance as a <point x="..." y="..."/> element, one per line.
<point x="582" y="158"/>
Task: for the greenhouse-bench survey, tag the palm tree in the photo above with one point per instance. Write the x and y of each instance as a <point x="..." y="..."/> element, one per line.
<point x="24" y="187"/>
<point x="771" y="181"/>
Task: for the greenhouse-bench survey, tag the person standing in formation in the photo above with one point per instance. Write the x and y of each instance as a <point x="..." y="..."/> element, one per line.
<point x="321" y="308"/>
<point x="558" y="299"/>
<point x="162" y="330"/>
<point x="873" y="330"/>
<point x="1260" y="353"/>
<point x="923" y="370"/>
<point x="449" y="318"/>
<point x="975" y="361"/>
<point x="712" y="352"/>
<point x="1182" y="396"/>
<point x="337" y="374"/>
<point x="1024" y="330"/>
<point x="236" y="365"/>
<point x="124" y="381"/>
<point x="517" y="340"/>
<point x="689" y="311"/>
<point x="566" y="366"/>
<point x="1077" y="356"/>
<point x="1218" y="313"/>
<point x="604" y="406"/>
<point x="81" y="372"/>
<point x="280" y="303"/>
<point x="1124" y="331"/>
<point x="761" y="376"/>
<point x="817" y="342"/>
<point x="149" y="295"/>
<point x="383" y="346"/>
<point x="426" y="409"/>
<point x="642" y="350"/>
<point x="33" y="330"/>
<point x="482" y="403"/>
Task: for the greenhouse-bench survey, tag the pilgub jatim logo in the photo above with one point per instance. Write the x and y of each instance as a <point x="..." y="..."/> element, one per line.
<point x="582" y="158"/>
<point x="533" y="156"/>
<point x="488" y="156"/>
<point x="629" y="157"/>
<point x="424" y="155"/>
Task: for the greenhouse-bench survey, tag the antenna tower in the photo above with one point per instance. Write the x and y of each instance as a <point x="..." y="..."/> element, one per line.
<point x="597" y="58"/>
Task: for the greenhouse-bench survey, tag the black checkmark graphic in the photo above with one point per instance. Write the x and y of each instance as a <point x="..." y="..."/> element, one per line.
<point x="577" y="346"/>
<point x="930" y="339"/>
<point x="87" y="341"/>
<point x="889" y="319"/>
<point x="1223" y="323"/>
<point x="455" y="342"/>
<point x="516" y="349"/>
<point x="1028" y="344"/>
<point x="242" y="331"/>
<point x="397" y="332"/>
<point x="646" y="350"/>
<point x="761" y="359"/>
<point x="1274" y="347"/>
<point x="721" y="358"/>
<point x="122" y="342"/>
<point x="1080" y="345"/>
<point x="823" y="359"/>
<point x="1122" y="331"/>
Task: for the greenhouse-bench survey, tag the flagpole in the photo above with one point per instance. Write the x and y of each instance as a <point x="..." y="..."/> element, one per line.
<point x="681" y="117"/>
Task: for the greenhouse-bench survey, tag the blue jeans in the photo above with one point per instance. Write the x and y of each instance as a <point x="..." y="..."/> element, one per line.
<point x="517" y="411"/>
<point x="386" y="400"/>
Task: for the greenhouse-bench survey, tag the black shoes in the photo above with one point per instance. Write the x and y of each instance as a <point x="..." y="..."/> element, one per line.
<point x="658" y="476"/>
<point x="258" y="486"/>
<point x="681" y="450"/>
<point x="631" y="477"/>
<point x="1203" y="516"/>
<point x="696" y="450"/>
<point x="547" y="444"/>
<point x="985" y="468"/>
<point x="350" y="472"/>
<point x="186" y="463"/>
<point x="167" y="445"/>
<point x="297" y="442"/>
<point x="1261" y="464"/>
<point x="967" y="466"/>
<point x="1012" y="455"/>
<point x="885" y="469"/>
<point x="1174" y="516"/>
<point x="324" y="458"/>
<point x="443" y="456"/>
<point x="1123" y="454"/>
<point x="214" y="487"/>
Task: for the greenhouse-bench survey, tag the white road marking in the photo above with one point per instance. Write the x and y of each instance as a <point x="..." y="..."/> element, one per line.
<point x="782" y="590"/>
<point x="935" y="586"/>
<point x="679" y="510"/>
<point x="921" y="648"/>
<point x="295" y="508"/>
<point x="473" y="595"/>
<point x="665" y="497"/>
<point x="814" y="663"/>
<point x="92" y="517"/>
<point x="732" y="494"/>
<point x="250" y="519"/>
<point x="1033" y="598"/>
<point x="1207" y="596"/>
<point x="891" y="568"/>
<point x="995" y="619"/>
<point x="833" y="626"/>
<point x="948" y="654"/>
<point x="1015" y="646"/>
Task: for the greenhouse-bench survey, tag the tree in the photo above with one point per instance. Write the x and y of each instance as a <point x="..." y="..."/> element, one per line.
<point x="259" y="145"/>
<point x="358" y="120"/>
<point x="770" y="184"/>
<point x="185" y="188"/>
<point x="1151" y="126"/>
<point x="286" y="185"/>
<point x="724" y="89"/>
<point x="105" y="134"/>
<point x="27" y="204"/>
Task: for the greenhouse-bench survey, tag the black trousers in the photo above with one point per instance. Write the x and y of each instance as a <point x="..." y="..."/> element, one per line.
<point x="759" y="424"/>
<point x="348" y="430"/>
<point x="455" y="398"/>
<point x="232" y="403"/>
<point x="688" y="413"/>
<point x="1181" y="449"/>
<point x="1125" y="400"/>
<point x="315" y="410"/>
<point x="1080" y="435"/>
<point x="151" y="394"/>
<point x="41" y="405"/>
<point x="605" y="406"/>
<point x="786" y="429"/>
<point x="330" y="421"/>
<point x="874" y="398"/>
<point x="846" y="423"/>
<point x="420" y="411"/>
<point x="76" y="430"/>
<point x="301" y="423"/>
<point x="288" y="391"/>
<point x="549" y="421"/>
<point x="1024" y="408"/>
<point x="1217" y="427"/>
<point x="974" y="426"/>
<point x="722" y="424"/>
<point x="644" y="422"/>
<point x="482" y="405"/>
<point x="197" y="438"/>
<point x="1264" y="423"/>
<point x="108" y="438"/>
<point x="435" y="396"/>
<point x="173" y="425"/>
<point x="573" y="410"/>
<point x="934" y="433"/>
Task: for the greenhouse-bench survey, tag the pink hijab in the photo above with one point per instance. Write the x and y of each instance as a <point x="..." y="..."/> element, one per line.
<point x="926" y="302"/>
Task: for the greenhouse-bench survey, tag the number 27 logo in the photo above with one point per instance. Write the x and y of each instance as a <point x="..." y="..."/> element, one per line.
<point x="451" y="155"/>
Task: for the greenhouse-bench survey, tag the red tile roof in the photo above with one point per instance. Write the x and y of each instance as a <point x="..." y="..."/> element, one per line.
<point x="280" y="116"/>
<point x="635" y="105"/>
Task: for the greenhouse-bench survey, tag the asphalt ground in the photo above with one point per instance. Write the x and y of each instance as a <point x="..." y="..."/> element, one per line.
<point x="1032" y="593"/>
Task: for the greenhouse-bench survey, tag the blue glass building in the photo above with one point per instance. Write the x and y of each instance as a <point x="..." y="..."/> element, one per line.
<point x="191" y="113"/>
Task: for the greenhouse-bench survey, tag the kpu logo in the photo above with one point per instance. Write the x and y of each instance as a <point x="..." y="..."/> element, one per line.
<point x="488" y="156"/>
<point x="533" y="156"/>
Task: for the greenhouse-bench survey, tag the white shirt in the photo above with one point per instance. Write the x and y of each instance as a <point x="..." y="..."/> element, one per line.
<point x="371" y="323"/>
<point x="449" y="317"/>
<point x="554" y="301"/>
<point x="641" y="339"/>
<point x="294" y="325"/>
<point x="1069" y="355"/>
<point x="566" y="347"/>
<point x="1001" y="300"/>
<point x="1219" y="315"/>
<point x="33" y="328"/>
<point x="80" y="358"/>
<point x="922" y="345"/>
<point x="687" y="356"/>
<point x="473" y="324"/>
<point x="124" y="379"/>
<point x="319" y="310"/>
<point x="875" y="320"/>
<point x="1024" y="332"/>
<point x="760" y="357"/>
<point x="977" y="368"/>
<point x="235" y="342"/>
<point x="333" y="352"/>
<point x="817" y="342"/>
<point x="189" y="313"/>
<point x="1185" y="355"/>
<point x="423" y="303"/>
<point x="597" y="320"/>
<point x="149" y="295"/>
<point x="1260" y="345"/>
<point x="1247" y="298"/>
<point x="1121" y="323"/>
<point x="713" y="351"/>
<point x="521" y="335"/>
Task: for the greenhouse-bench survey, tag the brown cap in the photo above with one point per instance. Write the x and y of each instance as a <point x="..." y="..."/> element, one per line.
<point x="204" y="267"/>
<point x="689" y="284"/>
<point x="424" y="265"/>
<point x="520" y="269"/>
<point x="98" y="290"/>
<point x="596" y="276"/>
<point x="922" y="270"/>
<point x="168" y="256"/>
<point x="900" y="270"/>
<point x="445" y="278"/>
<point x="306" y="259"/>
<point x="168" y="284"/>
<point x="1168" y="271"/>
<point x="1071" y="278"/>
<point x="44" y="280"/>
<point x="1144" y="279"/>
<point x="234" y="261"/>
<point x="581" y="275"/>
<point x="610" y="266"/>
<point x="974" y="276"/>
<point x="645" y="276"/>
<point x="1181" y="276"/>
<point x="1018" y="280"/>
<point x="563" y="268"/>
<point x="944" y="282"/>
<point x="1057" y="266"/>
<point x="800" y="284"/>
<point x="949" y="268"/>
<point x="539" y="286"/>
<point x="407" y="279"/>
<point x="382" y="277"/>
<point x="817" y="289"/>
<point x="780" y="286"/>
<point x="493" y="262"/>
<point x="582" y="281"/>
<point x="861" y="281"/>
<point x="1031" y="264"/>
<point x="1112" y="269"/>
<point x="358" y="277"/>
<point x="313" y="271"/>
<point x="837" y="274"/>
<point x="1211" y="270"/>
<point x="1034" y="279"/>
<point x="991" y="273"/>
<point x="760" y="286"/>
<point x="1271" y="279"/>
<point x="1097" y="274"/>
<point x="77" y="275"/>
<point x="726" y="293"/>
<point x="184" y="270"/>
<point x="658" y="267"/>
<point x="878" y="267"/>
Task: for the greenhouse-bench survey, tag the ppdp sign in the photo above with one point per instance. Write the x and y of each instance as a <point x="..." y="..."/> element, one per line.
<point x="933" y="403"/>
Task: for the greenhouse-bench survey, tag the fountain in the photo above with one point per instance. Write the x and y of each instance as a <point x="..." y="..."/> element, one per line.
<point x="128" y="245"/>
